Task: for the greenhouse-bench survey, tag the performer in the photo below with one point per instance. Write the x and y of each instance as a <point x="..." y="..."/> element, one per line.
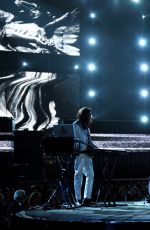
<point x="83" y="163"/>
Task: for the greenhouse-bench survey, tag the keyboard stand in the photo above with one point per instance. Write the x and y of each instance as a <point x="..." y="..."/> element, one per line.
<point x="62" y="196"/>
<point x="109" y="160"/>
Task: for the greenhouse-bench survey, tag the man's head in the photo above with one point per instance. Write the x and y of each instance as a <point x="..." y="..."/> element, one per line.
<point x="20" y="195"/>
<point x="6" y="17"/>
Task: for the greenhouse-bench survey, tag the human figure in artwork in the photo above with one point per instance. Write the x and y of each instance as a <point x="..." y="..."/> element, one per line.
<point x="54" y="36"/>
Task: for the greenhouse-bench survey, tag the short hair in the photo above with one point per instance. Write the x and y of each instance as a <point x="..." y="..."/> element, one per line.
<point x="19" y="194"/>
<point x="34" y="198"/>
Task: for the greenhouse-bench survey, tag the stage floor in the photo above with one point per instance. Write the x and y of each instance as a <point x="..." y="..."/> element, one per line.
<point x="123" y="215"/>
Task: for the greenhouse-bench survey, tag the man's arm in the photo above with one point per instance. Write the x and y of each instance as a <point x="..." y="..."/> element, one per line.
<point x="21" y="2"/>
<point x="14" y="34"/>
<point x="57" y="20"/>
<point x="68" y="15"/>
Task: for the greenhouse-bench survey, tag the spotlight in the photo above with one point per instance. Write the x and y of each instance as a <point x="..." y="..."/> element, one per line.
<point x="91" y="93"/>
<point x="144" y="67"/>
<point x="76" y="67"/>
<point x="142" y="42"/>
<point x="143" y="16"/>
<point x="24" y="63"/>
<point x="144" y="93"/>
<point x="136" y="1"/>
<point x="91" y="67"/>
<point x="92" y="15"/>
<point x="92" y="41"/>
<point x="144" y="119"/>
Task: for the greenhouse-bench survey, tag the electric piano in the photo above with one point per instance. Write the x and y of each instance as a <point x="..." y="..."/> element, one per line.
<point x="106" y="144"/>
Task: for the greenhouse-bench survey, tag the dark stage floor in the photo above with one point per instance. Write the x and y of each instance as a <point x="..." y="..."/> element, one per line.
<point x="124" y="215"/>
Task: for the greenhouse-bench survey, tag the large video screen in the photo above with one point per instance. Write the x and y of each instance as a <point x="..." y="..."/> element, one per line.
<point x="43" y="26"/>
<point x="39" y="100"/>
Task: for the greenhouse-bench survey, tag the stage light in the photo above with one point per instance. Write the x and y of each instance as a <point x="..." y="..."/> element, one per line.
<point x="135" y="1"/>
<point x="91" y="93"/>
<point x="91" y="67"/>
<point x="144" y="93"/>
<point x="142" y="42"/>
<point x="144" y="119"/>
<point x="144" y="67"/>
<point x="92" y="41"/>
<point x="76" y="67"/>
<point x="24" y="63"/>
<point x="92" y="15"/>
<point x="143" y="16"/>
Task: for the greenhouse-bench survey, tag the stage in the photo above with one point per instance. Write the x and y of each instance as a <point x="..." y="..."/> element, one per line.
<point x="121" y="167"/>
<point x="124" y="215"/>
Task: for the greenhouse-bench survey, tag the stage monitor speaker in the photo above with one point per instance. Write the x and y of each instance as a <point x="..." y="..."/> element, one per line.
<point x="6" y="159"/>
<point x="56" y="145"/>
<point x="27" y="147"/>
<point x="6" y="124"/>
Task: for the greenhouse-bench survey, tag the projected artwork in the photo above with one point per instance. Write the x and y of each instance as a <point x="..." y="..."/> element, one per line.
<point x="38" y="100"/>
<point x="39" y="27"/>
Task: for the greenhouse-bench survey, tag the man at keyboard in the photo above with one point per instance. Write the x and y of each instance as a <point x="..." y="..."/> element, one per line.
<point x="83" y="164"/>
